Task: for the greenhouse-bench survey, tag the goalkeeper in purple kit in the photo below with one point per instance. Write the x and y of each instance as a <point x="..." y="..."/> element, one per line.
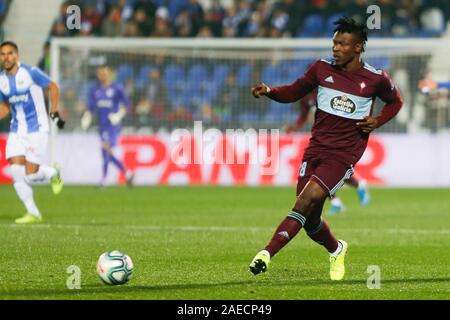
<point x="110" y="103"/>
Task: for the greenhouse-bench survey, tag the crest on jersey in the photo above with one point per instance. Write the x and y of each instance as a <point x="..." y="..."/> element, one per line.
<point x="109" y="92"/>
<point x="362" y="85"/>
<point x="343" y="104"/>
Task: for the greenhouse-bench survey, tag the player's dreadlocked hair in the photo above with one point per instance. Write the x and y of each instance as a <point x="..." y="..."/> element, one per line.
<point x="349" y="25"/>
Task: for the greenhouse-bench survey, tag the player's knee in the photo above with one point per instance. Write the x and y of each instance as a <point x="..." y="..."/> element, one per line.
<point x="32" y="178"/>
<point x="304" y="204"/>
<point x="309" y="199"/>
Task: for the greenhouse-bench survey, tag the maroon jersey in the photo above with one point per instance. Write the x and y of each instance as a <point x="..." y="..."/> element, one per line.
<point x="306" y="103"/>
<point x="343" y="99"/>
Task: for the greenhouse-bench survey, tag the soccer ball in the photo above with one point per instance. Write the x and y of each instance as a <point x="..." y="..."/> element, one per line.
<point x="114" y="267"/>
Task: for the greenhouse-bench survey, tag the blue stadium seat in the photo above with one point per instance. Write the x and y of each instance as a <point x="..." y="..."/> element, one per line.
<point x="244" y="75"/>
<point x="298" y="67"/>
<point x="272" y="74"/>
<point x="173" y="75"/>
<point x="124" y="73"/>
<point x="175" y="81"/>
<point x="143" y="77"/>
<point x="248" y="117"/>
<point x="198" y="73"/>
<point x="313" y="26"/>
<point x="220" y="73"/>
<point x="281" y="113"/>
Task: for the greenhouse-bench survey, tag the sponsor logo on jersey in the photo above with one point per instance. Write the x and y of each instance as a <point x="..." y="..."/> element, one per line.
<point x="343" y="103"/>
<point x="18" y="98"/>
<point x="104" y="103"/>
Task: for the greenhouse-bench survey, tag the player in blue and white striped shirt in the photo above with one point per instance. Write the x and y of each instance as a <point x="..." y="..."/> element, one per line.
<point x="21" y="94"/>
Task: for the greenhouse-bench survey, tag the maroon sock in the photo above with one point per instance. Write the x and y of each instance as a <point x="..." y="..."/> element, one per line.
<point x="323" y="236"/>
<point x="287" y="230"/>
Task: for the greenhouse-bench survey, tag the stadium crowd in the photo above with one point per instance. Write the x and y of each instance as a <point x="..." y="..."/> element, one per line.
<point x="163" y="93"/>
<point x="248" y="18"/>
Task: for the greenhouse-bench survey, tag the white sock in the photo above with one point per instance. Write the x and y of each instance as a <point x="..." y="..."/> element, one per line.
<point x="44" y="174"/>
<point x="336" y="202"/>
<point x="23" y="189"/>
<point x="338" y="250"/>
<point x="362" y="184"/>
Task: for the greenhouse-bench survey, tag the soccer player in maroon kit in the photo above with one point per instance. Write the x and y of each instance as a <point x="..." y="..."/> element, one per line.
<point x="307" y="103"/>
<point x="346" y="90"/>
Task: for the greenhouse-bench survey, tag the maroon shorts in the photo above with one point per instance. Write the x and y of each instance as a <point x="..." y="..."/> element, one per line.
<point x="329" y="173"/>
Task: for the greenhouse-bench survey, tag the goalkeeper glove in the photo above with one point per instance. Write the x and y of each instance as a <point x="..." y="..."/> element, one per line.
<point x="56" y="118"/>
<point x="116" y="117"/>
<point x="86" y="120"/>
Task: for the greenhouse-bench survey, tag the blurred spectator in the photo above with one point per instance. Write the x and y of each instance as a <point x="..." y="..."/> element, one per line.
<point x="143" y="22"/>
<point x="93" y="17"/>
<point x="236" y="21"/>
<point x="278" y="23"/>
<point x="155" y="90"/>
<point x="257" y="26"/>
<point x="249" y="18"/>
<point x="214" y="17"/>
<point x="131" y="30"/>
<point x="85" y="29"/>
<point x="229" y="98"/>
<point x="113" y="25"/>
<point x="183" y="24"/>
<point x="147" y="111"/>
<point x="59" y="29"/>
<point x="205" y="32"/>
<point x="148" y="6"/>
<point x="207" y="115"/>
<point x="180" y="115"/>
<point x="162" y="23"/>
<point x="196" y="14"/>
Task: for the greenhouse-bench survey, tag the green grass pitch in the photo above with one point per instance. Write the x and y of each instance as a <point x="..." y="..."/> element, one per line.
<point x="197" y="242"/>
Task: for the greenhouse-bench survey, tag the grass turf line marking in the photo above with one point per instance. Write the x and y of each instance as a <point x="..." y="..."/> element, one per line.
<point x="215" y="228"/>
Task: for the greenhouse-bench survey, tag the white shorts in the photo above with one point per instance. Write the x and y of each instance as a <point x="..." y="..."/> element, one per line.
<point x="31" y="145"/>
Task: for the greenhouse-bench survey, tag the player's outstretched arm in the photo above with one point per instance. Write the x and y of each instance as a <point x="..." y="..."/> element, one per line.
<point x="260" y="89"/>
<point x="54" y="99"/>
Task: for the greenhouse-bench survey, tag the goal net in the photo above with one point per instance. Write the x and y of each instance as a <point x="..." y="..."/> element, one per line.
<point x="173" y="82"/>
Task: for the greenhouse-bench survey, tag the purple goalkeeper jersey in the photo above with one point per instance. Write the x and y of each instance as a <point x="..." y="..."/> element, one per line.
<point x="106" y="100"/>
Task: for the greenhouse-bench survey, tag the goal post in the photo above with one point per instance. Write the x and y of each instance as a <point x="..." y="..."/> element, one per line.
<point x="173" y="82"/>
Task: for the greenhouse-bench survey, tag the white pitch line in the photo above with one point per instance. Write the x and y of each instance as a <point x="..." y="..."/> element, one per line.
<point x="220" y="228"/>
